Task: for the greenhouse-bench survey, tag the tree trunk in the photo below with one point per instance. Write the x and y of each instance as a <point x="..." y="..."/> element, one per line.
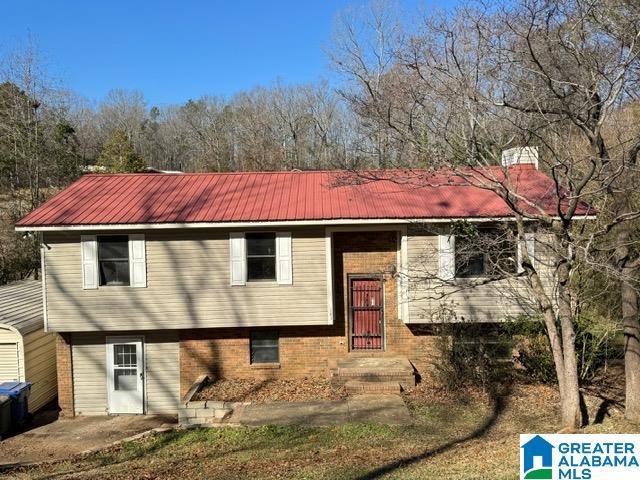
<point x="630" y="322"/>
<point x="563" y="350"/>
<point x="631" y="350"/>
<point x="570" y="401"/>
<point x="562" y="340"/>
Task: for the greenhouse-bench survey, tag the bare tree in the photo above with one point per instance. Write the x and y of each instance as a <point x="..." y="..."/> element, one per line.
<point x="123" y="110"/>
<point x="550" y="74"/>
<point x="38" y="152"/>
<point x="364" y="51"/>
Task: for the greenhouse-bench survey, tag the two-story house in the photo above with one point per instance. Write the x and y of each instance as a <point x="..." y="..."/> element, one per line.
<point x="151" y="280"/>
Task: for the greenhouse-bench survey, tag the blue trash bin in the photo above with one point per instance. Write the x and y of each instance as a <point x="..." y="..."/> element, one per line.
<point x="19" y="394"/>
<point x="5" y="416"/>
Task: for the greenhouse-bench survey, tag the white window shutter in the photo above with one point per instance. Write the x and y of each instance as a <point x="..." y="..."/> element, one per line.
<point x="89" y="250"/>
<point x="284" y="270"/>
<point x="446" y="257"/>
<point x="137" y="261"/>
<point x="238" y="258"/>
<point x="530" y="240"/>
<point x="529" y="244"/>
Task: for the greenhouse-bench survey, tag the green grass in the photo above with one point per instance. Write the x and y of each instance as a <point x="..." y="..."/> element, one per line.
<point x="451" y="439"/>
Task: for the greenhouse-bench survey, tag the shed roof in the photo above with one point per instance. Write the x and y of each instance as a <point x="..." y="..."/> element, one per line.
<point x="21" y="306"/>
<point x="134" y="199"/>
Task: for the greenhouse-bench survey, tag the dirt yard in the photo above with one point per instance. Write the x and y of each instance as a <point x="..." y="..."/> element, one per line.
<point x="263" y="391"/>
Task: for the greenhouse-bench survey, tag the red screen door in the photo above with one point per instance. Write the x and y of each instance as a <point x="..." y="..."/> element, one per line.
<point x="365" y="296"/>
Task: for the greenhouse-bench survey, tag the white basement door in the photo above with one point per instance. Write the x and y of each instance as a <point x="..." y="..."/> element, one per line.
<point x="125" y="374"/>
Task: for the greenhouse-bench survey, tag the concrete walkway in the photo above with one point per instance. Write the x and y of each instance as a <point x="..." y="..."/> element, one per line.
<point x="369" y="408"/>
<point x="67" y="437"/>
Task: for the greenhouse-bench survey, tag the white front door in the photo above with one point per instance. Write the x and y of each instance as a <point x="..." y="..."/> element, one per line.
<point x="125" y="374"/>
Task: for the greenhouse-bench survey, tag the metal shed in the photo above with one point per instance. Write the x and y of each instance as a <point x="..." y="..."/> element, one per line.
<point x="27" y="352"/>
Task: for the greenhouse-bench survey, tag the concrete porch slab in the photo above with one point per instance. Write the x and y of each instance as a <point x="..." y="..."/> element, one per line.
<point x="385" y="409"/>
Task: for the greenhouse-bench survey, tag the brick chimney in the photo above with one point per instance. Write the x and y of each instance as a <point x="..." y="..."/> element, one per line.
<point x="520" y="156"/>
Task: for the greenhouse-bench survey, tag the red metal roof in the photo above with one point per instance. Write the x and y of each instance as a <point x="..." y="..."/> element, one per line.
<point x="100" y="199"/>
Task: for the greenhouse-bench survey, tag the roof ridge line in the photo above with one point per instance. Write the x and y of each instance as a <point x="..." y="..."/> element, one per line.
<point x="177" y="174"/>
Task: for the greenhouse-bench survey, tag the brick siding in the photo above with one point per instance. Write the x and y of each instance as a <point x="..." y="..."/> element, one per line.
<point x="64" y="364"/>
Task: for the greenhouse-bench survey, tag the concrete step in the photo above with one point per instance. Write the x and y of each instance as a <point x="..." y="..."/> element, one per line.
<point x="374" y="370"/>
<point x="406" y="381"/>
<point x="358" y="386"/>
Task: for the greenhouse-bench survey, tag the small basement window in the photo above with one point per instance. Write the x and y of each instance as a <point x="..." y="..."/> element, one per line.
<point x="265" y="346"/>
<point x="261" y="256"/>
<point x="113" y="260"/>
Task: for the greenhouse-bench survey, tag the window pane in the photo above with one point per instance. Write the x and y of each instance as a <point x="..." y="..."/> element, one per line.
<point x="261" y="243"/>
<point x="114" y="272"/>
<point x="113" y="259"/>
<point x="264" y="355"/>
<point x="469" y="256"/>
<point x="125" y="379"/>
<point x="265" y="335"/>
<point x="113" y="247"/>
<point x="503" y="257"/>
<point x="264" y="342"/>
<point x="261" y="268"/>
<point x="265" y="346"/>
<point x="125" y="356"/>
<point x="491" y="252"/>
<point x="470" y="266"/>
<point x="122" y="270"/>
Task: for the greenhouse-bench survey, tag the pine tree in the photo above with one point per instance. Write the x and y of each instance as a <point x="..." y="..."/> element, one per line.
<point x="119" y="156"/>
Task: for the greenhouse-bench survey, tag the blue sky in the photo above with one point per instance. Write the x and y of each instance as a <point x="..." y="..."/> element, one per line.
<point x="176" y="50"/>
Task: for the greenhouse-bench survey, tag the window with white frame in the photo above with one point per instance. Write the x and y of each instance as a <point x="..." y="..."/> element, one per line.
<point x="486" y="252"/>
<point x="113" y="259"/>
<point x="261" y="256"/>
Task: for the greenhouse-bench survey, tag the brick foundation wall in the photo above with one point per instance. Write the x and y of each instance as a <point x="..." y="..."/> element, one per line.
<point x="224" y="353"/>
<point x="309" y="350"/>
<point x="64" y="365"/>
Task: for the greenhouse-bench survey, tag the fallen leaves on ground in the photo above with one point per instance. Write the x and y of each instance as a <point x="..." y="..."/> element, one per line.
<point x="263" y="391"/>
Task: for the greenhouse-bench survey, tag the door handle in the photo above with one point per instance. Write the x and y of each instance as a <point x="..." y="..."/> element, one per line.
<point x="141" y="376"/>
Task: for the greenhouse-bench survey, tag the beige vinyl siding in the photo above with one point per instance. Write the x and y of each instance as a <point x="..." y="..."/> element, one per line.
<point x="9" y="361"/>
<point x="188" y="286"/>
<point x="162" y="367"/>
<point x="162" y="372"/>
<point x="31" y="358"/>
<point x="10" y="355"/>
<point x="40" y="366"/>
<point x="428" y="299"/>
<point x="89" y="356"/>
